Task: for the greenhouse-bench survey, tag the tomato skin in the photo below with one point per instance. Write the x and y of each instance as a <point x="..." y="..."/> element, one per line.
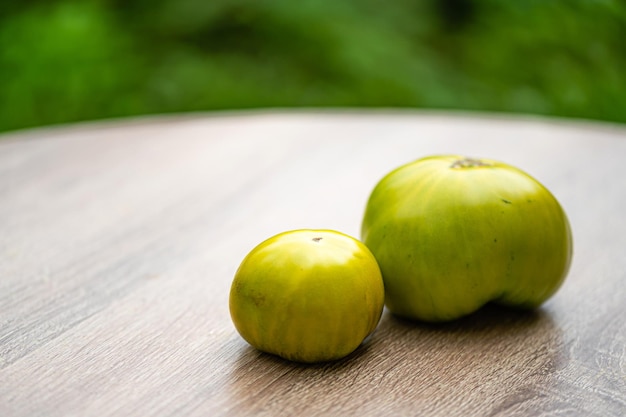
<point x="451" y="234"/>
<point x="307" y="295"/>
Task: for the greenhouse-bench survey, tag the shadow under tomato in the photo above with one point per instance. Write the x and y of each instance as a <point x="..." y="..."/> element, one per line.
<point x="487" y="319"/>
<point x="265" y="383"/>
<point x="499" y="356"/>
<point x="494" y="329"/>
<point x="495" y="354"/>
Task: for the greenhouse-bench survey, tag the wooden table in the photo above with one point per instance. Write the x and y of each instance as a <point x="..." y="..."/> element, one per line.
<point x="119" y="241"/>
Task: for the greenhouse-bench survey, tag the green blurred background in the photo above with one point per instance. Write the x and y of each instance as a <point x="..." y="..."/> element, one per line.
<point x="72" y="60"/>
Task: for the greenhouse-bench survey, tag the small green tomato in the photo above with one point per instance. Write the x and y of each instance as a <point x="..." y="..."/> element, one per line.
<point x="307" y="295"/>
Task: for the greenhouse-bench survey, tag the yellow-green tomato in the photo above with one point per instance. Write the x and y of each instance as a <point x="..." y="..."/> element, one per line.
<point x="452" y="233"/>
<point x="307" y="295"/>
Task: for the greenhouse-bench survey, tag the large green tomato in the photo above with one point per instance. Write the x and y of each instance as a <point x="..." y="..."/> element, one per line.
<point x="451" y="234"/>
<point x="307" y="295"/>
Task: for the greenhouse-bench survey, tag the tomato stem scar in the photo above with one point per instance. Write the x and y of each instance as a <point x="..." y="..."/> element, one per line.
<point x="469" y="163"/>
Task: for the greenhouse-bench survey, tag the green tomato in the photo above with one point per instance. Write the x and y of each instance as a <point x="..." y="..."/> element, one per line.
<point x="451" y="234"/>
<point x="307" y="295"/>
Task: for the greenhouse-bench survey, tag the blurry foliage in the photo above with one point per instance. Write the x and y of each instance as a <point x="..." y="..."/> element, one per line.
<point x="70" y="60"/>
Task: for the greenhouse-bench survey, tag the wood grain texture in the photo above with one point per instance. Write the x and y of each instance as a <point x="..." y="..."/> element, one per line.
<point x="119" y="241"/>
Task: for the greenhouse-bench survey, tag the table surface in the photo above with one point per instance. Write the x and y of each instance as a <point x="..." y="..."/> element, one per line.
<point x="119" y="242"/>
